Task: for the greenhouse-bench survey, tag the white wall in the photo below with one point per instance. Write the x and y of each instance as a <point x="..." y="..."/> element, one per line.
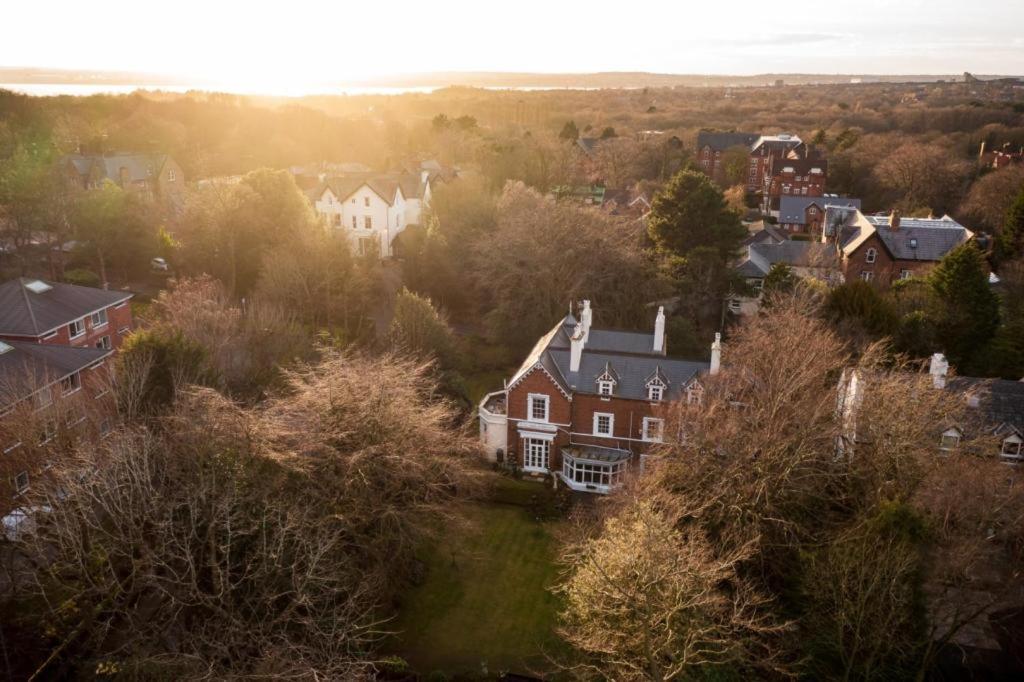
<point x="388" y="221"/>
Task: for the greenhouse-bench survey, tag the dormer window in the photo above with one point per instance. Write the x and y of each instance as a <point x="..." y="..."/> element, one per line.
<point x="872" y="254"/>
<point x="950" y="439"/>
<point x="605" y="387"/>
<point x="656" y="387"/>
<point x="694" y="394"/>
<point x="1013" y="448"/>
<point x="606" y="382"/>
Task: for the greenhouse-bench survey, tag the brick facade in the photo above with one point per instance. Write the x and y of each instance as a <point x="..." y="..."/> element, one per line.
<point x="885" y="269"/>
<point x="115" y="330"/>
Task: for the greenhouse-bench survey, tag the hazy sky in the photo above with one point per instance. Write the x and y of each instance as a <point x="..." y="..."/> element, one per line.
<point x="313" y="41"/>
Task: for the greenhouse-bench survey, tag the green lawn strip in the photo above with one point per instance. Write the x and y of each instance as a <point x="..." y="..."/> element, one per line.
<point x="485" y="596"/>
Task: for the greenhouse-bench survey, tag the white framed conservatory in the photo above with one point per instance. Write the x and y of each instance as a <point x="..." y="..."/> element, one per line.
<point x="593" y="469"/>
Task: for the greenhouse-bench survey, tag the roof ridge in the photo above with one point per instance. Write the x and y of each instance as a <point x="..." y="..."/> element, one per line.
<point x="28" y="305"/>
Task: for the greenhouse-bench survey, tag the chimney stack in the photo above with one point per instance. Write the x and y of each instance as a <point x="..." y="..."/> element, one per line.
<point x="576" y="348"/>
<point x="716" y="355"/>
<point x="586" y="317"/>
<point x="894" y="220"/>
<point x="938" y="368"/>
<point x="659" y="331"/>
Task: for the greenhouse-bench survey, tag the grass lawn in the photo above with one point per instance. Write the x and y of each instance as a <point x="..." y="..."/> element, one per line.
<point x="484" y="603"/>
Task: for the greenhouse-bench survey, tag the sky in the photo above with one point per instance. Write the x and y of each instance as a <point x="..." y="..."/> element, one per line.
<point x="338" y="41"/>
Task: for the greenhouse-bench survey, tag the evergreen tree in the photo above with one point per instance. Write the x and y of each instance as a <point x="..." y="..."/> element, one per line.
<point x="1010" y="241"/>
<point x="965" y="311"/>
<point x="691" y="212"/>
<point x="570" y="132"/>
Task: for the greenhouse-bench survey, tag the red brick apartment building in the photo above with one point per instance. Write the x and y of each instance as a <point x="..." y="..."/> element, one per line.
<point x="56" y="342"/>
<point x="711" y="146"/>
<point x="586" y="404"/>
<point x="764" y="151"/>
<point x="794" y="176"/>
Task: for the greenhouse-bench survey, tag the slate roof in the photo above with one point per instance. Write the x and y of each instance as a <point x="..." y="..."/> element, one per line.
<point x="629" y="355"/>
<point x="800" y="166"/>
<point x="721" y="141"/>
<point x="761" y="256"/>
<point x="385" y="185"/>
<point x="926" y="239"/>
<point x="792" y="209"/>
<point x="1000" y="400"/>
<point x="780" y="142"/>
<point x="25" y="367"/>
<point x="139" y="166"/>
<point x="24" y="312"/>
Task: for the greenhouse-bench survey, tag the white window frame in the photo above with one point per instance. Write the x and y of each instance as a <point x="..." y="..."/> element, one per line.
<point x="605" y="388"/>
<point x="611" y="424"/>
<point x="871" y="256"/>
<point x="950" y="439"/>
<point x="101" y="316"/>
<point x="694" y="394"/>
<point x="536" y="454"/>
<point x="867" y="275"/>
<point x="75" y="382"/>
<point x="906" y="274"/>
<point x="1016" y="449"/>
<point x="104" y="342"/>
<point x="659" y="430"/>
<point x="547" y="407"/>
<point x="78" y="324"/>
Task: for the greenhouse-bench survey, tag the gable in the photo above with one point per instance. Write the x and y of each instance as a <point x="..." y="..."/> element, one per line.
<point x="529" y="379"/>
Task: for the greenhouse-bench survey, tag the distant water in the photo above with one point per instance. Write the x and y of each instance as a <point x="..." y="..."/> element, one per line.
<point x="86" y="89"/>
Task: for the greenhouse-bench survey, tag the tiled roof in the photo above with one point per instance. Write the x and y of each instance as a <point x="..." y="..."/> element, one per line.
<point x="792" y="209"/>
<point x="780" y="142"/>
<point x="761" y="257"/>
<point x="1000" y="400"/>
<point x="799" y="166"/>
<point x="24" y="312"/>
<point x="628" y="355"/>
<point x="139" y="167"/>
<point x="722" y="141"/>
<point x="26" y="367"/>
<point x="926" y="239"/>
<point x="385" y="185"/>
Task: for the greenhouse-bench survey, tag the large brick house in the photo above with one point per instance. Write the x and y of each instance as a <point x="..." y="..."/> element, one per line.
<point x="766" y="149"/>
<point x="793" y="175"/>
<point x="711" y="146"/>
<point x="885" y="248"/>
<point x="586" y="404"/>
<point x="156" y="176"/>
<point x="372" y="209"/>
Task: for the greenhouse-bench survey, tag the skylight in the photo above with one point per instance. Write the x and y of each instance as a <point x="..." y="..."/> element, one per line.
<point x="38" y="286"/>
<point x="5" y="347"/>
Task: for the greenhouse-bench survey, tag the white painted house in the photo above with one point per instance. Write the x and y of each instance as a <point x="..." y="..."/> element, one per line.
<point x="373" y="209"/>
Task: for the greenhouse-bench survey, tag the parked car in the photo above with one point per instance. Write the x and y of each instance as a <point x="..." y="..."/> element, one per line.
<point x="159" y="265"/>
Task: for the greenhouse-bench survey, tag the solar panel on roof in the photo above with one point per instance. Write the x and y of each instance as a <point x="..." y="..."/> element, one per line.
<point x="38" y="287"/>
<point x="5" y="347"/>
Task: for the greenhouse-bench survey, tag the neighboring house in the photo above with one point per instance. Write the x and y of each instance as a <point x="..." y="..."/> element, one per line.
<point x="810" y="260"/>
<point x="997" y="403"/>
<point x="156" y="176"/>
<point x="806" y="214"/>
<point x="711" y="146"/>
<point x="586" y="404"/>
<point x="54" y="313"/>
<point x="764" y="150"/>
<point x="48" y="394"/>
<point x="371" y="210"/>
<point x="883" y="249"/>
<point x="793" y="175"/>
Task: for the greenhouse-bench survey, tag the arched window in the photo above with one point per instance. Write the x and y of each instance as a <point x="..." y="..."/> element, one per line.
<point x="871" y="256"/>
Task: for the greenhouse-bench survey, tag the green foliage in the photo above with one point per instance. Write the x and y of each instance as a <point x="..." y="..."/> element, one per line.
<point x="690" y="212"/>
<point x="570" y="132"/>
<point x="779" y="279"/>
<point x="964" y="309"/>
<point x="419" y="328"/>
<point x="860" y="304"/>
<point x="154" y="365"/>
<point x="1010" y="239"/>
<point x="82" y="277"/>
<point x="608" y="133"/>
<point x="117" y="230"/>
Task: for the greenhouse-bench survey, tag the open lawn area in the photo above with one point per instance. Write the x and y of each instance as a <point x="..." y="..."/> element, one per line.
<point x="484" y="606"/>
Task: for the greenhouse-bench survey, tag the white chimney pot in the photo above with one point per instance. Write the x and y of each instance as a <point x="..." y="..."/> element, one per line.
<point x="659" y="331"/>
<point x="716" y="355"/>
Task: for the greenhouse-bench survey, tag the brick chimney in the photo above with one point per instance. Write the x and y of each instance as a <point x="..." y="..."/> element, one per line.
<point x="659" y="331"/>
<point x="894" y="220"/>
<point x="716" y="355"/>
<point x="938" y="368"/>
<point x="576" y="343"/>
